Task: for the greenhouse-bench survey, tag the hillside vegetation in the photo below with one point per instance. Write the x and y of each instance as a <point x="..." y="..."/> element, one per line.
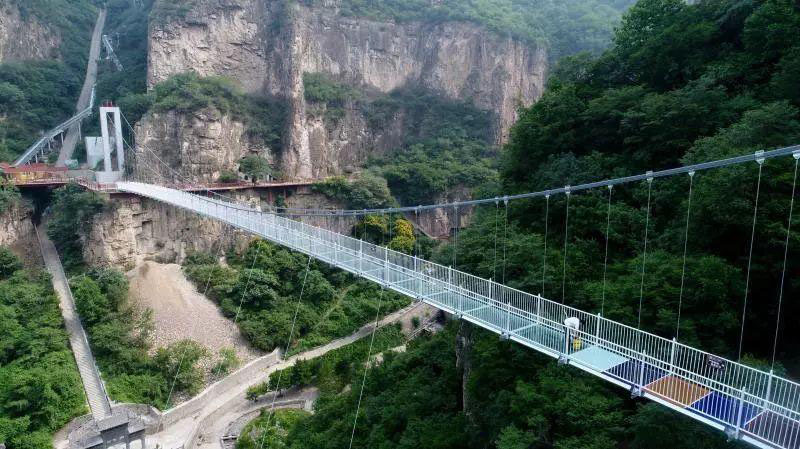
<point x="40" y="389"/>
<point x="261" y="288"/>
<point x="36" y="95"/>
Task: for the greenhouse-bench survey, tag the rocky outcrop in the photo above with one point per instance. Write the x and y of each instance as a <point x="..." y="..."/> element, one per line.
<point x="24" y="38"/>
<point x="199" y="146"/>
<point x="133" y="229"/>
<point x="18" y="234"/>
<point x="268" y="46"/>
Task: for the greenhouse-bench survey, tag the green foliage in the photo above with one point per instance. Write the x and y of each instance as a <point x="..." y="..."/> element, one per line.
<point x="120" y="340"/>
<point x="447" y="145"/>
<point x="9" y="263"/>
<point x="227" y="176"/>
<point x="270" y="429"/>
<point x="34" y="96"/>
<point x="9" y="195"/>
<point x="188" y="92"/>
<point x="40" y="389"/>
<point x="167" y="11"/>
<point x="228" y="361"/>
<point x="267" y="281"/>
<point x="367" y="191"/>
<point x="332" y="371"/>
<point x="255" y="167"/>
<point x="127" y="25"/>
<point x="318" y="88"/>
<point x="684" y="83"/>
<point x="71" y="209"/>
<point x="178" y="362"/>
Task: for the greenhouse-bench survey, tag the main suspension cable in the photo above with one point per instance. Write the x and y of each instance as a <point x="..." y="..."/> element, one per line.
<point x="750" y="256"/>
<point x="785" y="256"/>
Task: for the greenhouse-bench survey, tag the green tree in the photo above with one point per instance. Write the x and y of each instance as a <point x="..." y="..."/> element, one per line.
<point x="9" y="263"/>
<point x="255" y="167"/>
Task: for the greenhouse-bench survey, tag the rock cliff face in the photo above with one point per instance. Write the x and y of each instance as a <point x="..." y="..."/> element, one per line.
<point x="18" y="234"/>
<point x="199" y="146"/>
<point x="25" y="38"/>
<point x="268" y="47"/>
<point x="134" y="229"/>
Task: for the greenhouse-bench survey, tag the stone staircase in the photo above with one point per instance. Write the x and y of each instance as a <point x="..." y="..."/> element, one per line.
<point x="92" y="384"/>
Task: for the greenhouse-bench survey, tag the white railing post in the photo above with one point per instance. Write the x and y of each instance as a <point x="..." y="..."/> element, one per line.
<point x="361" y="256"/>
<point x="419" y="278"/>
<point x="739" y="414"/>
<point x="538" y="307"/>
<point x="672" y="356"/>
<point x="597" y="330"/>
<point x="386" y="264"/>
<point x="639" y="388"/>
<point x="508" y="318"/>
<point x="769" y="389"/>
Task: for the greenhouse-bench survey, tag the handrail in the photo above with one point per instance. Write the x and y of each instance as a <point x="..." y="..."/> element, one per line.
<point x="747" y="386"/>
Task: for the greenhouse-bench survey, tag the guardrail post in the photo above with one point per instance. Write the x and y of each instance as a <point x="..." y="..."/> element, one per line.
<point x="508" y="318"/>
<point x="597" y="329"/>
<point x="361" y="256"/>
<point x="638" y="389"/>
<point x="563" y="359"/>
<point x="672" y="355"/>
<point x="386" y="262"/>
<point x="538" y="307"/>
<point x="739" y="414"/>
<point x="769" y="389"/>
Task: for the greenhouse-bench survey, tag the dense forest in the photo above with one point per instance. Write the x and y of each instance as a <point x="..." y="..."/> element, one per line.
<point x="40" y="390"/>
<point x="261" y="286"/>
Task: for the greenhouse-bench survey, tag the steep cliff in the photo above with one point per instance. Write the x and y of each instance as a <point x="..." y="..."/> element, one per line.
<point x="23" y="38"/>
<point x="198" y="145"/>
<point x="17" y="232"/>
<point x="268" y="47"/>
<point x="134" y="229"/>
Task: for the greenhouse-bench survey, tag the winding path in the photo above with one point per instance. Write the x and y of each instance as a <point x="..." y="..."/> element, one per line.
<point x="224" y="402"/>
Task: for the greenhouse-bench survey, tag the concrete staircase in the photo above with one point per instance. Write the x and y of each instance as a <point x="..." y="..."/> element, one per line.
<point x="92" y="384"/>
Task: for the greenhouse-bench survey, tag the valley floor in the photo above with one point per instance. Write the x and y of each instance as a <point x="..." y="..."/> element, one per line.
<point x="181" y="312"/>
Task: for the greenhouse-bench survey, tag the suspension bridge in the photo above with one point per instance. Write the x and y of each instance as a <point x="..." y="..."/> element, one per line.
<point x="753" y="405"/>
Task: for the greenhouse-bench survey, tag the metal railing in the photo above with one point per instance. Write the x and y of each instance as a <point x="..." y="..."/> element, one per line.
<point x="756" y="406"/>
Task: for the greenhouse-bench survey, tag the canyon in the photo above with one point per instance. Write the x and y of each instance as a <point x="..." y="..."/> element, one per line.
<point x="267" y="47"/>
